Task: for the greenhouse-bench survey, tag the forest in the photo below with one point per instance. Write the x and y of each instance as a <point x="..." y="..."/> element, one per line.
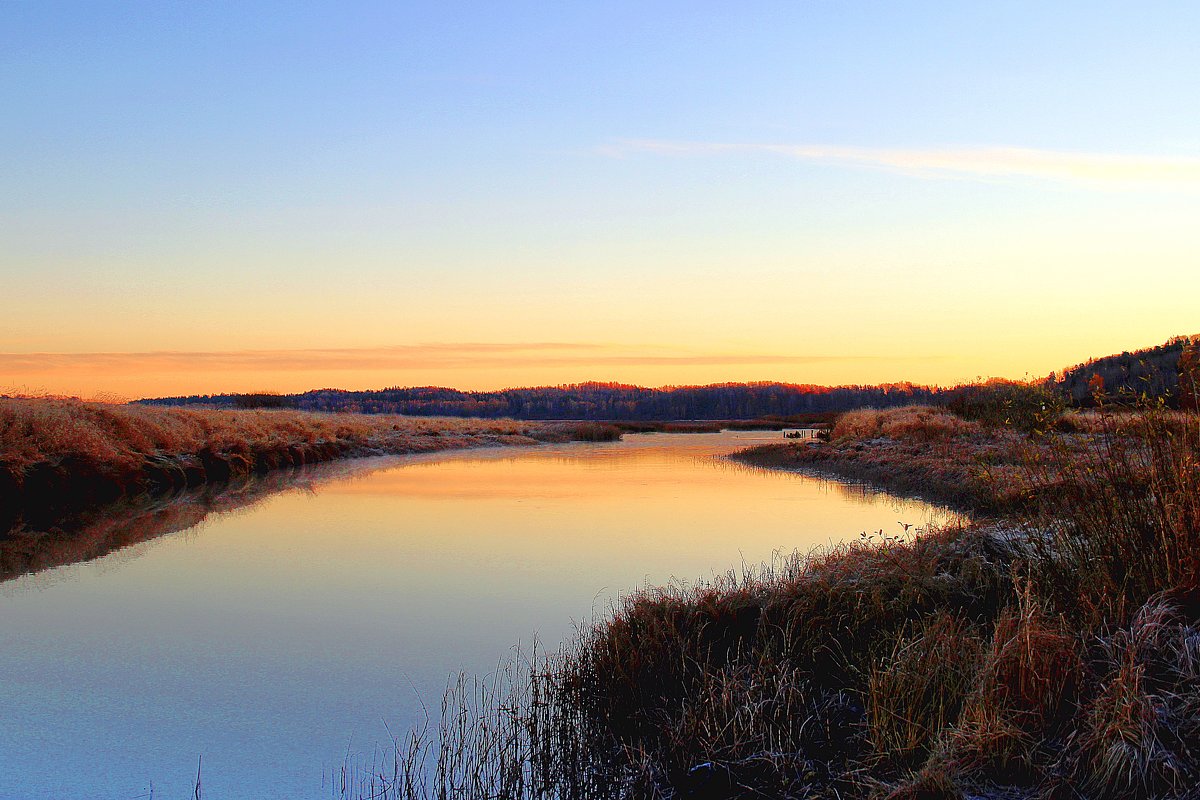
<point x="588" y="401"/>
<point x="1151" y="372"/>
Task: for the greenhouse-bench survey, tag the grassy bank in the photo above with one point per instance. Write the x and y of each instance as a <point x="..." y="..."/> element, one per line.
<point x="985" y="469"/>
<point x="1051" y="650"/>
<point x="63" y="454"/>
<point x="910" y="451"/>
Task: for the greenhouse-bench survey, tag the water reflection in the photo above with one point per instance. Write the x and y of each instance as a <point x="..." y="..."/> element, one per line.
<point x="863" y="492"/>
<point x="28" y="548"/>
<point x="292" y="625"/>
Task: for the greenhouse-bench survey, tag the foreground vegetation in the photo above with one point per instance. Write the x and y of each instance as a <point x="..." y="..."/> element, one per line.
<point x="1049" y="649"/>
<point x="57" y="455"/>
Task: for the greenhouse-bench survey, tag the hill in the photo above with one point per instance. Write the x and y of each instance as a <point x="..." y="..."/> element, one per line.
<point x="1153" y="371"/>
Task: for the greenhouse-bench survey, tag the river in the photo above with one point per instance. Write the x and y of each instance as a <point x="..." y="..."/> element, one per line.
<point x="275" y="634"/>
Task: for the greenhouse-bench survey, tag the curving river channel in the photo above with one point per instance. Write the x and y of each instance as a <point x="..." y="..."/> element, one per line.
<point x="276" y="627"/>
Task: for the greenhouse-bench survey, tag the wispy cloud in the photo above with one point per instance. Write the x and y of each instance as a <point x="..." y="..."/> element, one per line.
<point x="397" y="358"/>
<point x="984" y="163"/>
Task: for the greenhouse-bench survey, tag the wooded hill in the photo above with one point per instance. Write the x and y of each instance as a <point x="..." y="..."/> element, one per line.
<point x="1152" y="372"/>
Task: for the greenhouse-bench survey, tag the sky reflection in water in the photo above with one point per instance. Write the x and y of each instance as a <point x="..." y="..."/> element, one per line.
<point x="274" y="638"/>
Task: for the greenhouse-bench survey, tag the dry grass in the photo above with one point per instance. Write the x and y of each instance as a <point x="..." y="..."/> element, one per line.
<point x="1140" y="734"/>
<point x="993" y="470"/>
<point x="54" y="450"/>
<point x="1028" y="681"/>
<point x="911" y="423"/>
<point x="918" y="450"/>
<point x="38" y="430"/>
<point x="917" y="690"/>
<point x="1118" y="512"/>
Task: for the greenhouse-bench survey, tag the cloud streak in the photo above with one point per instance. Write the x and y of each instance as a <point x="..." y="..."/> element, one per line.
<point x="980" y="163"/>
<point x="398" y="358"/>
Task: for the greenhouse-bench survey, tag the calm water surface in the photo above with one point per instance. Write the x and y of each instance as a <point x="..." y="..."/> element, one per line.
<point x="275" y="639"/>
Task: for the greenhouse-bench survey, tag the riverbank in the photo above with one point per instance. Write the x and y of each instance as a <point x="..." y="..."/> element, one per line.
<point x="62" y="455"/>
<point x="1051" y="648"/>
<point x="1047" y="651"/>
<point x="917" y="451"/>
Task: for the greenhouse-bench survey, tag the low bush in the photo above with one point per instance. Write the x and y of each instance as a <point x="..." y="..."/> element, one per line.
<point x="1002" y="403"/>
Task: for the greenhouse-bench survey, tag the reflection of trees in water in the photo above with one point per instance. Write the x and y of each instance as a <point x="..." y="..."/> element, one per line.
<point x="858" y="491"/>
<point x="31" y="548"/>
<point x="94" y="533"/>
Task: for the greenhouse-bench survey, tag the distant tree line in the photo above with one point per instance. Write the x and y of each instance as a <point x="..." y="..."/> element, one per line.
<point x="262" y="400"/>
<point x="1154" y="372"/>
<point x="589" y="401"/>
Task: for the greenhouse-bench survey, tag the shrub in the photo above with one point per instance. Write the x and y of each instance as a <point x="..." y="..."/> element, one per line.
<point x="1024" y="406"/>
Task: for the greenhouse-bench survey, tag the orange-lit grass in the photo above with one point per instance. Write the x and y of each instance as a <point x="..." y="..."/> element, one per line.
<point x="920" y="423"/>
<point x="33" y="430"/>
<point x="57" y="446"/>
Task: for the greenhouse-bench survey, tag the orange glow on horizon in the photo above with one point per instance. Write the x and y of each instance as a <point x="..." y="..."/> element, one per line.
<point x="496" y="366"/>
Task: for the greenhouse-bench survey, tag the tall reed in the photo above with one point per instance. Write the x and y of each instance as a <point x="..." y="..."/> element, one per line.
<point x="1117" y="512"/>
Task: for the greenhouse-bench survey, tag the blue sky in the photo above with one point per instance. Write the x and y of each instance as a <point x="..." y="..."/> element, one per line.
<point x="968" y="190"/>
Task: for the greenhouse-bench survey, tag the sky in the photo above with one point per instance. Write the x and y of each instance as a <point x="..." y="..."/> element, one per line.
<point x="213" y="197"/>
